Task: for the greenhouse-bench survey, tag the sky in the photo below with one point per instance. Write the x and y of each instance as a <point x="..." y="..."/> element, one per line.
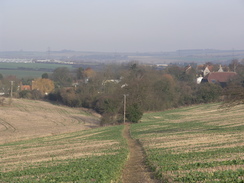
<point x="121" y="25"/>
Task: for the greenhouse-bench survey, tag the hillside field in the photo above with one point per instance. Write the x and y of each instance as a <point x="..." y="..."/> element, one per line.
<point x="201" y="143"/>
<point x="22" y="119"/>
<point x="47" y="143"/>
<point x="42" y="142"/>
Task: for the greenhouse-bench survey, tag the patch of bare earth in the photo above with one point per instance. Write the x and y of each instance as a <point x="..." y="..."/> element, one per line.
<point x="135" y="170"/>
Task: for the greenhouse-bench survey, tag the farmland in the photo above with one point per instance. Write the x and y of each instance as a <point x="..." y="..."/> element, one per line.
<point x="201" y="143"/>
<point x="57" y="144"/>
<point x="195" y="144"/>
<point x="83" y="156"/>
<point x="27" y="119"/>
<point x="22" y="70"/>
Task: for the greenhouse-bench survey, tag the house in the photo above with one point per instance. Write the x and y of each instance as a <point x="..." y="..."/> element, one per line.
<point x="25" y="87"/>
<point x="220" y="69"/>
<point x="115" y="81"/>
<point x="203" y="70"/>
<point x="207" y="70"/>
<point x="199" y="80"/>
<point x="218" y="77"/>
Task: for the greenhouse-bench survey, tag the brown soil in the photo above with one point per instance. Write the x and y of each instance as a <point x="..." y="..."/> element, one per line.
<point x="135" y="170"/>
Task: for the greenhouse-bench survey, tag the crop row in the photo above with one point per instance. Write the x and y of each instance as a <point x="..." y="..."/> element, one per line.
<point x="194" y="144"/>
<point x="89" y="169"/>
<point x="96" y="155"/>
<point x="229" y="176"/>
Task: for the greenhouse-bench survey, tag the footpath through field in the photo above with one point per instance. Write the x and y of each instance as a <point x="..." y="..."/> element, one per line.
<point x="135" y="170"/>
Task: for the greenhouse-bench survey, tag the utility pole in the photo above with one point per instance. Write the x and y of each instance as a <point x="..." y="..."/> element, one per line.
<point x="11" y="89"/>
<point x="124" y="106"/>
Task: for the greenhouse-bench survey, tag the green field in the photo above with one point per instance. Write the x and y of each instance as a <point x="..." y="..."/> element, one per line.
<point x="23" y="74"/>
<point x="96" y="155"/>
<point x="200" y="143"/>
<point x="23" y="70"/>
<point x="195" y="144"/>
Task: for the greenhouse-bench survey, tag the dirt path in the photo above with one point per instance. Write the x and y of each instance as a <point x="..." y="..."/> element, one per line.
<point x="135" y="170"/>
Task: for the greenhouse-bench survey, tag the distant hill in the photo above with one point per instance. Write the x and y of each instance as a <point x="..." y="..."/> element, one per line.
<point x="179" y="56"/>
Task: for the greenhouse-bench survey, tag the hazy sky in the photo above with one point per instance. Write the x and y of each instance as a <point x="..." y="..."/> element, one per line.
<point x="121" y="25"/>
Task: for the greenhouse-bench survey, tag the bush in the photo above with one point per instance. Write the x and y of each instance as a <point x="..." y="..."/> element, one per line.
<point x="134" y="113"/>
<point x="70" y="98"/>
<point x="25" y="94"/>
<point x="34" y="94"/>
<point x="208" y="92"/>
<point x="106" y="104"/>
<point x="108" y="119"/>
<point x="55" y="96"/>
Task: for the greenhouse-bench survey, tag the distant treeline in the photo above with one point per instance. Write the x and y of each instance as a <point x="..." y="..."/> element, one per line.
<point x="146" y="89"/>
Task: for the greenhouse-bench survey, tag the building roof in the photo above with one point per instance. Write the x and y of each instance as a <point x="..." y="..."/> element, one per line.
<point x="25" y="87"/>
<point x="210" y="67"/>
<point x="221" y="77"/>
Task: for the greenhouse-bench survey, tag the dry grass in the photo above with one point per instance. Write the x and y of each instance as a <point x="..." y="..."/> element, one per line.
<point x="35" y="132"/>
<point x="195" y="141"/>
<point x="26" y="119"/>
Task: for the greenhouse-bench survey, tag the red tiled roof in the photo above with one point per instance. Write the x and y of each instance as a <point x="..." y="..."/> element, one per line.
<point x="221" y="77"/>
<point x="210" y="67"/>
<point x="25" y="87"/>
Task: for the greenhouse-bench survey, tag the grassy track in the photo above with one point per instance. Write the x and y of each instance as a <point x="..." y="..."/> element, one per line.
<point x="194" y="144"/>
<point x="96" y="155"/>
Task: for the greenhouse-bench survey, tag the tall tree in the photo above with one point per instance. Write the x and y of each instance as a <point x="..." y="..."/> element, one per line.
<point x="45" y="86"/>
<point x="80" y="73"/>
<point x="234" y="92"/>
<point x="45" y="76"/>
<point x="89" y="73"/>
<point x="62" y="77"/>
<point x="234" y="65"/>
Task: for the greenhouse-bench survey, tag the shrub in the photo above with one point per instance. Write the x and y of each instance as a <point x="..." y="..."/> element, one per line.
<point x="36" y="94"/>
<point x="25" y="94"/>
<point x="70" y="98"/>
<point x="134" y="113"/>
<point x="208" y="92"/>
<point x="54" y="96"/>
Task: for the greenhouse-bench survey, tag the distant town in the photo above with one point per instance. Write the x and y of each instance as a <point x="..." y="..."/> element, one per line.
<point x="198" y="56"/>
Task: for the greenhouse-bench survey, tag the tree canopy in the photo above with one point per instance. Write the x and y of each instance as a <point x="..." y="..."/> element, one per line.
<point x="62" y="77"/>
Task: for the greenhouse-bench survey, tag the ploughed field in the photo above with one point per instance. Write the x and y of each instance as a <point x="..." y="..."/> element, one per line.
<point x="195" y="144"/>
